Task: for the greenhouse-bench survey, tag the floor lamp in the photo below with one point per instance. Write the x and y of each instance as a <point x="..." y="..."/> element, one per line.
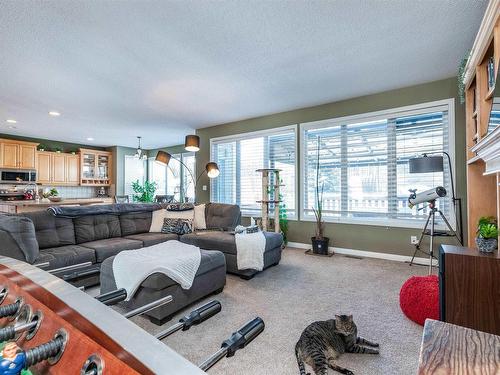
<point x="211" y="168"/>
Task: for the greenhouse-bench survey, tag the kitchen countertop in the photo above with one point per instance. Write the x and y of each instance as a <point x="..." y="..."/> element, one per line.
<point x="64" y="202"/>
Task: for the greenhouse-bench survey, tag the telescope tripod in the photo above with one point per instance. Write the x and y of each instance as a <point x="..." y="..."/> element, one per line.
<point x="432" y="233"/>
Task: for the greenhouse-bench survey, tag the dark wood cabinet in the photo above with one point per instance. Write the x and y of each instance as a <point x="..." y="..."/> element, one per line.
<point x="469" y="288"/>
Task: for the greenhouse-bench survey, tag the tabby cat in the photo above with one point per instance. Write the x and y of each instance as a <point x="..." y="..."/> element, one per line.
<point x="322" y="342"/>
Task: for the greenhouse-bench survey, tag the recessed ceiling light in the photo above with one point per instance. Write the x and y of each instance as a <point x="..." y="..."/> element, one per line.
<point x="11" y="121"/>
<point x="90" y="139"/>
<point x="54" y="113"/>
<point x="12" y="127"/>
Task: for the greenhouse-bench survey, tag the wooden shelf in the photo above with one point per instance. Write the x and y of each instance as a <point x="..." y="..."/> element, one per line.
<point x="490" y="92"/>
<point x="483" y="195"/>
<point x="473" y="160"/>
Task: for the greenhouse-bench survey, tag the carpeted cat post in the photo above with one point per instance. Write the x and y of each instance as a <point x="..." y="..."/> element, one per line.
<point x="419" y="298"/>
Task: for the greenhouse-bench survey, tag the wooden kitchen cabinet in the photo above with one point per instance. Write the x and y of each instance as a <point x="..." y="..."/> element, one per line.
<point x="44" y="168"/>
<point x="18" y="154"/>
<point x="73" y="169"/>
<point x="95" y="168"/>
<point x="58" y="168"/>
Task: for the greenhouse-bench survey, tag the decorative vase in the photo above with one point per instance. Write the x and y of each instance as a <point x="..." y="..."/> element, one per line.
<point x="320" y="246"/>
<point x="487" y="245"/>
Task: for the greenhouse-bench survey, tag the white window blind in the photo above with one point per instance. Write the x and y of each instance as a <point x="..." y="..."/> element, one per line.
<point x="157" y="173"/>
<point x="238" y="159"/>
<point x="135" y="170"/>
<point x="174" y="179"/>
<point x="364" y="164"/>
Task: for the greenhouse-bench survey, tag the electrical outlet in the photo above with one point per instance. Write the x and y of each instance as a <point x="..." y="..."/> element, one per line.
<point x="204" y="187"/>
<point x="413" y="240"/>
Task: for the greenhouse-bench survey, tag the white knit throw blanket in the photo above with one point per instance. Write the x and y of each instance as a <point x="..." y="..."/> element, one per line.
<point x="250" y="250"/>
<point x="175" y="259"/>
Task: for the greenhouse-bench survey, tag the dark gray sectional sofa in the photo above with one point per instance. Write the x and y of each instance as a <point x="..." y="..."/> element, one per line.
<point x="97" y="238"/>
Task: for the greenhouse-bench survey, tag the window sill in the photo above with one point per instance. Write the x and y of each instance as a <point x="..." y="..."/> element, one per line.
<point x="378" y="222"/>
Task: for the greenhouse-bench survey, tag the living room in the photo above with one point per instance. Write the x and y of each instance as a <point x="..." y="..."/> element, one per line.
<point x="287" y="175"/>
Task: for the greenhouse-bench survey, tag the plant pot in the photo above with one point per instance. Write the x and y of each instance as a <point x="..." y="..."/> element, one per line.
<point x="320" y="246"/>
<point x="487" y="245"/>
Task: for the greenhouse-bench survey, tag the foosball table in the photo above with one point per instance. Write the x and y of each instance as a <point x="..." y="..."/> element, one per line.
<point x="48" y="326"/>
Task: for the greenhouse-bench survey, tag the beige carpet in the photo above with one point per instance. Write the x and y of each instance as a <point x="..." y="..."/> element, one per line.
<point x="300" y="290"/>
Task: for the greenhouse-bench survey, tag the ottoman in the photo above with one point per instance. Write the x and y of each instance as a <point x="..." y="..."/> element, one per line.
<point x="210" y="278"/>
<point x="225" y="242"/>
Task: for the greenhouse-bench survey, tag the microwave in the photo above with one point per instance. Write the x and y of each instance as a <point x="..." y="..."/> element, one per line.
<point x="14" y="176"/>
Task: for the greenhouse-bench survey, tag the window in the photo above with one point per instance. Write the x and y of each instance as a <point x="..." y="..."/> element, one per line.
<point x="135" y="170"/>
<point x="240" y="156"/>
<point x="168" y="178"/>
<point x="364" y="164"/>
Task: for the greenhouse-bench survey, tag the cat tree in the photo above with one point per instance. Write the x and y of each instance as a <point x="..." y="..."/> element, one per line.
<point x="270" y="195"/>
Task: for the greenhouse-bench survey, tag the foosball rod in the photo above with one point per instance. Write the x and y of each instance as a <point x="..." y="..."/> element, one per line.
<point x="10" y="332"/>
<point x="120" y="295"/>
<point x="113" y="297"/>
<point x="195" y="317"/>
<point x="238" y="340"/>
<point x="148" y="307"/>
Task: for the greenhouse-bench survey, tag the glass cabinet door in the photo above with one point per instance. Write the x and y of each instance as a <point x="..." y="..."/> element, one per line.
<point x="102" y="166"/>
<point x="88" y="166"/>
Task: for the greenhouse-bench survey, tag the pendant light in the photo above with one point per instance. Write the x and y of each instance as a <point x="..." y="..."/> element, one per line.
<point x="139" y="153"/>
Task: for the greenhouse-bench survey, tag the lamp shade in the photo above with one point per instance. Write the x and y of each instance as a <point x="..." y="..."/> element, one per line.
<point x="212" y="169"/>
<point x="163" y="157"/>
<point x="426" y="164"/>
<point x="192" y="143"/>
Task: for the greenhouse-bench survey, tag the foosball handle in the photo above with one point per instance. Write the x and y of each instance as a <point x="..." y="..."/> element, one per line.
<point x="201" y="314"/>
<point x="10" y="310"/>
<point x="244" y="336"/>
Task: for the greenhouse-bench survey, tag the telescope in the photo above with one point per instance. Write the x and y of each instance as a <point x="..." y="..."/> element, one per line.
<point x="425" y="196"/>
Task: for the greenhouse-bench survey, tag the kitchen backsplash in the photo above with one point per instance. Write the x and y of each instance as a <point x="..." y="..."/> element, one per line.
<point x="76" y="191"/>
<point x="64" y="191"/>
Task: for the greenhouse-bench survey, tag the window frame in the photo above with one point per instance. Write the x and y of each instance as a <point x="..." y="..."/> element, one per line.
<point x="260" y="133"/>
<point x="439" y="105"/>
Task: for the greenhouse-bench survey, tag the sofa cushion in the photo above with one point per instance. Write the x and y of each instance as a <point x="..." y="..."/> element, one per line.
<point x="66" y="256"/>
<point x="150" y="239"/>
<point x="111" y="246"/>
<point x="135" y="222"/>
<point x="96" y="227"/>
<point x="158" y="281"/>
<point x="18" y="238"/>
<point x="222" y="216"/>
<point x="225" y="242"/>
<point x="211" y="240"/>
<point x="52" y="231"/>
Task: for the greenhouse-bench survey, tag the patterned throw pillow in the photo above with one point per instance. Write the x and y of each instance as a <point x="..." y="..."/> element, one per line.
<point x="180" y="206"/>
<point x="177" y="226"/>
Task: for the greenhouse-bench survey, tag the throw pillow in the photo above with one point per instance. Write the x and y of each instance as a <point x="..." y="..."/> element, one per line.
<point x="180" y="214"/>
<point x="180" y="206"/>
<point x="199" y="217"/>
<point x="177" y="226"/>
<point x="157" y="220"/>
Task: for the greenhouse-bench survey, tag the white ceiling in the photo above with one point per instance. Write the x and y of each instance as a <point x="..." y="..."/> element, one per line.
<point x="118" y="69"/>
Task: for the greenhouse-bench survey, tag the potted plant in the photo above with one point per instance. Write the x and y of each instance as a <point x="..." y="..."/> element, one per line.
<point x="42" y="147"/>
<point x="319" y="241"/>
<point x="487" y="234"/>
<point x="144" y="193"/>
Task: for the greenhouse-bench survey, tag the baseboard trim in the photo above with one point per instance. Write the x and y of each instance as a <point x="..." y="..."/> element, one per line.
<point x="365" y="254"/>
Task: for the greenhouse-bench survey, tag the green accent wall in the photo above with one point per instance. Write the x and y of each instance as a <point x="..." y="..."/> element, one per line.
<point x="383" y="239"/>
<point x="51" y="144"/>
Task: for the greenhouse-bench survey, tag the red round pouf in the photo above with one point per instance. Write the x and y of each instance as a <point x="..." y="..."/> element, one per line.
<point x="419" y="298"/>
